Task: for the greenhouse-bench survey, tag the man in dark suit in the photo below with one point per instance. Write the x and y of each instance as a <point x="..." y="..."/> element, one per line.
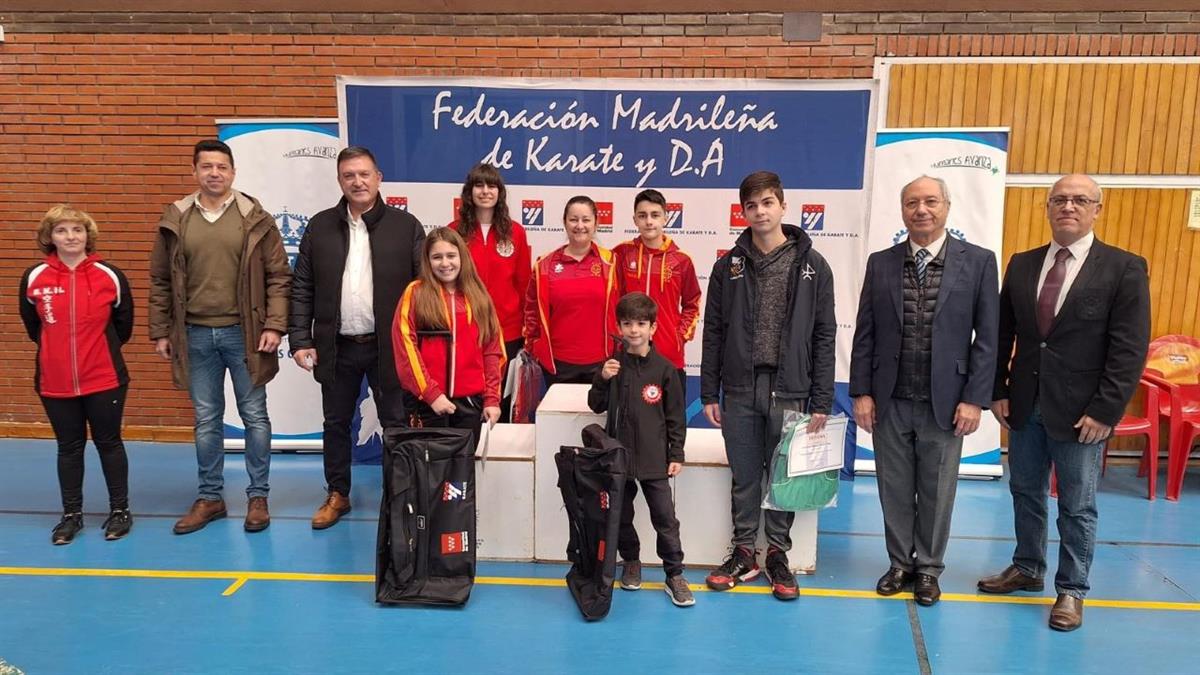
<point x="921" y="372"/>
<point x="355" y="261"/>
<point x="1079" y="313"/>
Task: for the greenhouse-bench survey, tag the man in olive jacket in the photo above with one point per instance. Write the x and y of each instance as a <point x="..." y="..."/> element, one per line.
<point x="219" y="283"/>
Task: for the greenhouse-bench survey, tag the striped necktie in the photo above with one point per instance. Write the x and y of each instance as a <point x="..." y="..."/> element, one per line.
<point x="922" y="257"/>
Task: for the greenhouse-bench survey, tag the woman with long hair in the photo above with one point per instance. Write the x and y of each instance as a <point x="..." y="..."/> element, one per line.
<point x="447" y="339"/>
<point x="79" y="311"/>
<point x="498" y="248"/>
<point x="569" y="307"/>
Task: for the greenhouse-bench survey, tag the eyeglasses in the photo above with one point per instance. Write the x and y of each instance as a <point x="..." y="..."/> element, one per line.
<point x="930" y="203"/>
<point x="1059" y="201"/>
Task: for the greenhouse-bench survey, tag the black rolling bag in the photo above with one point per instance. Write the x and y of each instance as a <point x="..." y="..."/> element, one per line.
<point x="425" y="550"/>
<point x="592" y="479"/>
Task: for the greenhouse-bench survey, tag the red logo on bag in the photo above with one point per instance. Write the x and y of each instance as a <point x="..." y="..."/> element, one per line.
<point x="454" y="543"/>
<point x="604" y="500"/>
<point x="652" y="394"/>
<point x="600" y="553"/>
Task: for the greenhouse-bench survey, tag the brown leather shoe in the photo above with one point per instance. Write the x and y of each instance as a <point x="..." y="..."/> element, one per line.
<point x="257" y="515"/>
<point x="1067" y="614"/>
<point x="1011" y="579"/>
<point x="336" y="505"/>
<point x="203" y="512"/>
<point x="926" y="590"/>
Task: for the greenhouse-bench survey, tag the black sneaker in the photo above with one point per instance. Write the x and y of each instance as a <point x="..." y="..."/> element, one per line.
<point x="66" y="529"/>
<point x="631" y="575"/>
<point x="739" y="567"/>
<point x="783" y="582"/>
<point x="118" y="524"/>
<point x="677" y="589"/>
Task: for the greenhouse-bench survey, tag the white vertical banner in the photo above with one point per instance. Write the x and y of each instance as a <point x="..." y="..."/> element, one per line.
<point x="289" y="165"/>
<point x="974" y="164"/>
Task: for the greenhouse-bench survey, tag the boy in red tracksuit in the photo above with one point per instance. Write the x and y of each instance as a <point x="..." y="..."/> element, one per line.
<point x="654" y="265"/>
<point x="640" y="391"/>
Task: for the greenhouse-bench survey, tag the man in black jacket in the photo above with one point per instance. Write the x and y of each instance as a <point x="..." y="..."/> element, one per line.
<point x="921" y="372"/>
<point x="1078" y="311"/>
<point x="355" y="261"/>
<point x="769" y="330"/>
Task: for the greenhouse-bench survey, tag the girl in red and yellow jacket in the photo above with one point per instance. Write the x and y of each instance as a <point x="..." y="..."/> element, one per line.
<point x="654" y="265"/>
<point x="449" y="299"/>
<point x="79" y="311"/>
<point x="569" y="308"/>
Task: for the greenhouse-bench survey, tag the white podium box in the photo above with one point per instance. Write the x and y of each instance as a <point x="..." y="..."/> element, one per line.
<point x="504" y="494"/>
<point x="701" y="492"/>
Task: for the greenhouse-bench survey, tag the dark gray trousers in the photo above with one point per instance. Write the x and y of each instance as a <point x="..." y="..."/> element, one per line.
<point x="916" y="464"/>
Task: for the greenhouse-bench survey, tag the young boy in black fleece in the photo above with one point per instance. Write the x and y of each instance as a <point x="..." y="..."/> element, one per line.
<point x="646" y="413"/>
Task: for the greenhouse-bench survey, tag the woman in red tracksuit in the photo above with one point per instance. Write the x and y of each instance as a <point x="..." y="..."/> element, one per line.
<point x="499" y="250"/>
<point x="79" y="311"/>
<point x="570" y="325"/>
<point x="448" y="298"/>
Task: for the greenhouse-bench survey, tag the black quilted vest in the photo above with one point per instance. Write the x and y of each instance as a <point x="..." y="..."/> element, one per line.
<point x="916" y="343"/>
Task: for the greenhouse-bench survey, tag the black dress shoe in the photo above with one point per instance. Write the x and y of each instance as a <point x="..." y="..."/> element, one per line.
<point x="893" y="581"/>
<point x="926" y="591"/>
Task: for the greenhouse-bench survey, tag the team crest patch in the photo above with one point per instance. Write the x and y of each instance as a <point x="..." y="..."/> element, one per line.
<point x="454" y="491"/>
<point x="505" y="249"/>
<point x="652" y="394"/>
<point x="454" y="543"/>
<point x="737" y="266"/>
<point x="595" y="269"/>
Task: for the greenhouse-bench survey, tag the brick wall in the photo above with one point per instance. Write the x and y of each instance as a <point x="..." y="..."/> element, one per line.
<point x="100" y="109"/>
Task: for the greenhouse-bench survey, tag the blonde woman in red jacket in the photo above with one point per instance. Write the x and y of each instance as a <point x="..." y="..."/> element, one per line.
<point x="447" y="339"/>
<point x="570" y="323"/>
<point x="79" y="311"/>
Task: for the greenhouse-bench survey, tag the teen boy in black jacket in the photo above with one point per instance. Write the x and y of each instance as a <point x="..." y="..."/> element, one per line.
<point x="769" y="331"/>
<point x="641" y="392"/>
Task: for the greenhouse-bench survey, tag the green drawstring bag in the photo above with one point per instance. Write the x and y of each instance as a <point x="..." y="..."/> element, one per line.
<point x="798" y="493"/>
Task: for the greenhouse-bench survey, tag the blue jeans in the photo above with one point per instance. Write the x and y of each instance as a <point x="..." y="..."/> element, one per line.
<point x="212" y="351"/>
<point x="1077" y="467"/>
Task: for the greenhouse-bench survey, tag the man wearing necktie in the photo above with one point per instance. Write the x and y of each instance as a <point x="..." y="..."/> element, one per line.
<point x="1078" y="311"/>
<point x="921" y="372"/>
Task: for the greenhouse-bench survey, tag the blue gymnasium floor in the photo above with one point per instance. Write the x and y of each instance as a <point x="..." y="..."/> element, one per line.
<point x="173" y="604"/>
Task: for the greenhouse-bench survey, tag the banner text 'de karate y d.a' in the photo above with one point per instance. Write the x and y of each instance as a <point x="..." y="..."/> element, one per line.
<point x="708" y="136"/>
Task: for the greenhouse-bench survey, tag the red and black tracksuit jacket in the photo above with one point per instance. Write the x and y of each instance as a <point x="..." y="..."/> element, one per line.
<point x="668" y="276"/>
<point x="421" y="362"/>
<point x="79" y="319"/>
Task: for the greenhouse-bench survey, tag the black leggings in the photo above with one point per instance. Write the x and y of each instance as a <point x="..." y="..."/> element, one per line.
<point x="71" y="418"/>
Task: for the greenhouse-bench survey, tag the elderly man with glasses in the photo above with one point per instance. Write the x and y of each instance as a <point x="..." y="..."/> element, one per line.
<point x="1078" y="312"/>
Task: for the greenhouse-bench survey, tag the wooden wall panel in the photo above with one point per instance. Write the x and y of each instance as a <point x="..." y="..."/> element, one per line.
<point x="1107" y="118"/>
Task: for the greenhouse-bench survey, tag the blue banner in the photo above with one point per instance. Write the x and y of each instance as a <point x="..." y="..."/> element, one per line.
<point x="813" y="138"/>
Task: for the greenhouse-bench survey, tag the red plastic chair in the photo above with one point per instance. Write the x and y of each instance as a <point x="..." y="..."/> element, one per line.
<point x="1131" y="425"/>
<point x="1184" y="405"/>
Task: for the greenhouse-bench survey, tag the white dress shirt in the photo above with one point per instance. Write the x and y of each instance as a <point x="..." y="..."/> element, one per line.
<point x="358" y="306"/>
<point x="1079" y="253"/>
<point x="934" y="247"/>
<point x="215" y="214"/>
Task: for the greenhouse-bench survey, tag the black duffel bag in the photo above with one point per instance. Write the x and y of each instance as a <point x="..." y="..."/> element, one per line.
<point x="592" y="479"/>
<point x="425" y="551"/>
